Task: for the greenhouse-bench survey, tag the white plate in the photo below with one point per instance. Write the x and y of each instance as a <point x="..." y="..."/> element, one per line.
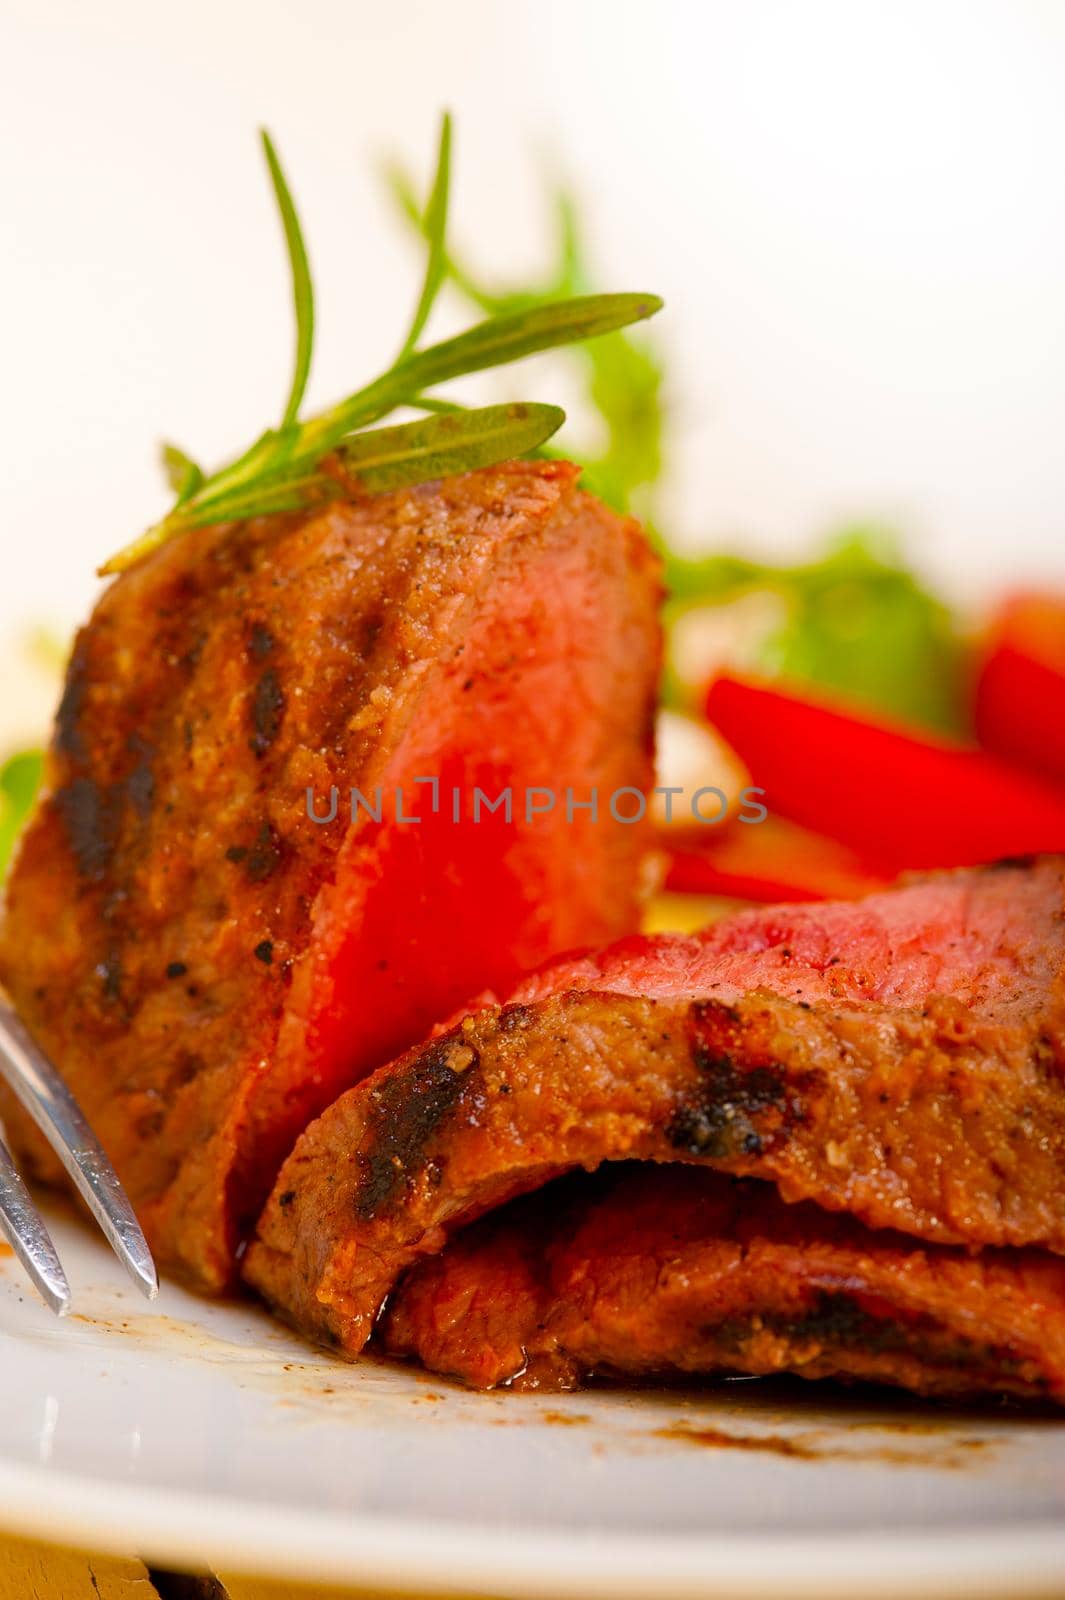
<point x="197" y="1434"/>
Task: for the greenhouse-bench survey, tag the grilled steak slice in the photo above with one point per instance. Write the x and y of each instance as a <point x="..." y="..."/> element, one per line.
<point x="207" y="965"/>
<point x="651" y="1270"/>
<point x="899" y="1057"/>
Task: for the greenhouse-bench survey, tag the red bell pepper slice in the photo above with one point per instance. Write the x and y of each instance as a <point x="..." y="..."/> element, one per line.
<point x="897" y="798"/>
<point x="1020" y="687"/>
<point x="771" y="860"/>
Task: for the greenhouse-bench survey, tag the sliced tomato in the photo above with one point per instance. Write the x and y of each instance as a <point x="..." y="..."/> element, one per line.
<point x="1020" y="686"/>
<point x="897" y="798"/>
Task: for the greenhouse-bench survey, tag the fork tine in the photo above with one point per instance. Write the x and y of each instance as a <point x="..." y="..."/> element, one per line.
<point x="56" y="1112"/>
<point x="29" y="1237"/>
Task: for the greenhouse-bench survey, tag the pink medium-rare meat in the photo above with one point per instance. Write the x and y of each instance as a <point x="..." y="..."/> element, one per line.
<point x="208" y="965"/>
<point x="899" y="1058"/>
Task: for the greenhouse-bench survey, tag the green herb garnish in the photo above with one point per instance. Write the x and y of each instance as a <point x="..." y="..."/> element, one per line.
<point x="20" y="778"/>
<point x="854" y="620"/>
<point x="331" y="456"/>
<point x="624" y="377"/>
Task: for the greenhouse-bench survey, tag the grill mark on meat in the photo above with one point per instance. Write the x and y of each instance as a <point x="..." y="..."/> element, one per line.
<point x="405" y="594"/>
<point x="89" y="821"/>
<point x="267" y="711"/>
<point x="721" y="1120"/>
<point x="68" y="735"/>
<point x="837" y="1320"/>
<point x="140" y="784"/>
<point x="264" y="857"/>
<point x="921" y="1111"/>
<point x="406" y="1115"/>
<point x="734" y="1111"/>
<point x="261" y="641"/>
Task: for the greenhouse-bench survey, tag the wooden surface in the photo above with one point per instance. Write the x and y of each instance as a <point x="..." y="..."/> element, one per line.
<point x="38" y="1572"/>
<point x="45" y="1572"/>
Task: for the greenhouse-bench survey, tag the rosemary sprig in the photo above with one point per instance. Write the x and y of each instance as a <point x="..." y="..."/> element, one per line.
<point x="435" y="226"/>
<point x="182" y="473"/>
<point x="624" y="378"/>
<point x="302" y="287"/>
<point x="301" y="464"/>
<point x="450" y="441"/>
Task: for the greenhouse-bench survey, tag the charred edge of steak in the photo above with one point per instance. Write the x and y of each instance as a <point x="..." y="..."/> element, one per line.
<point x="408" y="1111"/>
<point x="837" y="1320"/>
<point x="514" y="1017"/>
<point x="736" y="1109"/>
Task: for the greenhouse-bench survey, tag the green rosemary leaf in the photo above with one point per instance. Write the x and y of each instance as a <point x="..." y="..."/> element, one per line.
<point x="435" y="228"/>
<point x="403" y="193"/>
<point x="572" y="275"/>
<point x="492" y="343"/>
<point x="447" y="442"/>
<point x="415" y="452"/>
<point x="261" y="499"/>
<point x="151" y="539"/>
<point x="182" y="473"/>
<point x="302" y="287"/>
<point x="623" y="376"/>
<point x="282" y="470"/>
<point x="502" y="339"/>
<point x="436" y="406"/>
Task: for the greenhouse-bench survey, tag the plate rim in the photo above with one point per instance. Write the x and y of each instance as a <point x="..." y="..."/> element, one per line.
<point x="178" y="1529"/>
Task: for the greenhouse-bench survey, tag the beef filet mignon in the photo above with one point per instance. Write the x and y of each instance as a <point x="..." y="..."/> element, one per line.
<point x="899" y="1057"/>
<point x="206" y="964"/>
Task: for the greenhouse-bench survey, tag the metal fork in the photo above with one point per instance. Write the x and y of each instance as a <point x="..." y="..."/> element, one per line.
<point x="46" y="1098"/>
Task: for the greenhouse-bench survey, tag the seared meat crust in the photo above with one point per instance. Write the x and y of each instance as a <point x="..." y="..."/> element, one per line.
<point x="647" y="1271"/>
<point x="208" y="966"/>
<point x="811" y="1046"/>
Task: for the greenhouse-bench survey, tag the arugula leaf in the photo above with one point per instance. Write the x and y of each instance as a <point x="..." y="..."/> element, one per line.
<point x="854" y="619"/>
<point x="856" y="622"/>
<point x="20" y="779"/>
<point x="624" y="376"/>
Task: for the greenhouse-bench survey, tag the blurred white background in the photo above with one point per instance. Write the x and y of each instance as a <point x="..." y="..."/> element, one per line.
<point x="854" y="210"/>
